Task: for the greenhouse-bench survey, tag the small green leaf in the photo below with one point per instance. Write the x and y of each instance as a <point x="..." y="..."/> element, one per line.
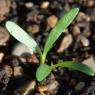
<point x="43" y="71"/>
<point x="22" y="36"/>
<point x="75" y="66"/>
<point x="63" y="23"/>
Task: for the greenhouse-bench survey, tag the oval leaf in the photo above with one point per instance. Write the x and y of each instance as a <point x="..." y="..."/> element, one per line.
<point x="22" y="36"/>
<point x="43" y="71"/>
<point x="63" y="23"/>
<point x="75" y="66"/>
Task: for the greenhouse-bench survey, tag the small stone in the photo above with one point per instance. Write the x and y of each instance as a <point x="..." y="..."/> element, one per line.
<point x="82" y="17"/>
<point x="8" y="70"/>
<point x="33" y="28"/>
<point x="29" y="5"/>
<point x="76" y="30"/>
<point x="90" y="3"/>
<point x="33" y="16"/>
<point x="80" y="86"/>
<point x="45" y="4"/>
<point x="86" y="33"/>
<point x="4" y="36"/>
<point x="18" y="71"/>
<point x="67" y="7"/>
<point x="21" y="50"/>
<point x="1" y="56"/>
<point x="42" y="88"/>
<point x="4" y="8"/>
<point x="27" y="88"/>
<point x="65" y="43"/>
<point x="52" y="20"/>
<point x="90" y="62"/>
<point x="32" y="59"/>
<point x="52" y="87"/>
<point x="84" y="41"/>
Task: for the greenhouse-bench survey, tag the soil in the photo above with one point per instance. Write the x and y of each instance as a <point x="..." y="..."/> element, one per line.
<point x="18" y="64"/>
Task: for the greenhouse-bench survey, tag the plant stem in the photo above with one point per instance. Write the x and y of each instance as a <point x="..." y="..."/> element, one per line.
<point x="43" y="57"/>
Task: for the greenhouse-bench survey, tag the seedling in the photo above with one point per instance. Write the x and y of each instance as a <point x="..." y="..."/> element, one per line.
<point x="44" y="69"/>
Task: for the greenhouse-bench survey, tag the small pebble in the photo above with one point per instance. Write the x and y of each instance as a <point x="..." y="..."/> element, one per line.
<point x="1" y="56"/>
<point x="4" y="8"/>
<point x="82" y="17"/>
<point x="8" y="70"/>
<point x="33" y="28"/>
<point x="67" y="7"/>
<point x="27" y="88"/>
<point x="42" y="88"/>
<point x="45" y="5"/>
<point x="84" y="41"/>
<point x="80" y="86"/>
<point x="18" y="71"/>
<point x="21" y="50"/>
<point x="65" y="43"/>
<point x="52" y="87"/>
<point x="90" y="62"/>
<point x="29" y="5"/>
<point x="76" y="30"/>
<point x="86" y="33"/>
<point x="32" y="59"/>
<point x="90" y="3"/>
<point x="52" y="20"/>
<point x="4" y="36"/>
<point x="33" y="16"/>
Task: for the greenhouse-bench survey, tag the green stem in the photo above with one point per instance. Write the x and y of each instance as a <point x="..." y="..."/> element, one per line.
<point x="42" y="60"/>
<point x="62" y="64"/>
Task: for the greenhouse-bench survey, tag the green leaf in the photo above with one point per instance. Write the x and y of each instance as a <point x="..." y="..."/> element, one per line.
<point x="63" y="23"/>
<point x="43" y="71"/>
<point x="75" y="66"/>
<point x="19" y="34"/>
